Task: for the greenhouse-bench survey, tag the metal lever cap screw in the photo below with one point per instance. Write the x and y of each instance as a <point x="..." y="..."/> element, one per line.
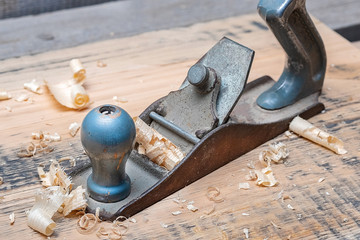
<point x="107" y="135"/>
<point x="203" y="78"/>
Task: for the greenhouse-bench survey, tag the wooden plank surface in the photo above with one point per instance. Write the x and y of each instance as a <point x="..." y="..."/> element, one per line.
<point x="147" y="66"/>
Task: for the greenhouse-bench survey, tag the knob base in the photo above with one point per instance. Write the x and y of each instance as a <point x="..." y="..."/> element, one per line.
<point x="108" y="194"/>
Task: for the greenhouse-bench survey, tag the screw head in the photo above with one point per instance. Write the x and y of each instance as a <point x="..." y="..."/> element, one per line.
<point x="198" y="74"/>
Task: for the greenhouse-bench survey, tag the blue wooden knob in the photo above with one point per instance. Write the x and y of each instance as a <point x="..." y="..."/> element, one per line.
<point x="107" y="135"/>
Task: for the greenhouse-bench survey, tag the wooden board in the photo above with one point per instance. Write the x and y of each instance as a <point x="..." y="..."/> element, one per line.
<point x="147" y="66"/>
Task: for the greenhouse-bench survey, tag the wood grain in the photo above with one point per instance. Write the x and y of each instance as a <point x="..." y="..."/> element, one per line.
<point x="147" y="66"/>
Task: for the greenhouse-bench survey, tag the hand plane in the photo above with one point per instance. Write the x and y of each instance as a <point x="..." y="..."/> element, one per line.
<point x="214" y="117"/>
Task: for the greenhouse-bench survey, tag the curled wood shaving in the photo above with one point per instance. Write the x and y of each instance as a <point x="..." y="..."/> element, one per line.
<point x="55" y="177"/>
<point x="309" y="131"/>
<point x="211" y="210"/>
<point x="119" y="226"/>
<point x="33" y="86"/>
<point x="33" y="148"/>
<point x="120" y="99"/>
<point x="245" y="186"/>
<point x="4" y="95"/>
<point x="265" y="177"/>
<point x="275" y="225"/>
<point x="276" y="152"/>
<point x="213" y="194"/>
<point x="12" y="218"/>
<point x="159" y="149"/>
<point x="75" y="201"/>
<point x="71" y="93"/>
<point x="74" y="128"/>
<point x="47" y="202"/>
<point x="86" y="223"/>
<point x="72" y="160"/>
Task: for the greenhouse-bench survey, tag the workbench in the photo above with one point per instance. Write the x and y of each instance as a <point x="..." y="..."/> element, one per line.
<point x="146" y="67"/>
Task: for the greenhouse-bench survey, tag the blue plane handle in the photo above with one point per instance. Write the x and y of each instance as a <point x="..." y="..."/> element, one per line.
<point x="305" y="66"/>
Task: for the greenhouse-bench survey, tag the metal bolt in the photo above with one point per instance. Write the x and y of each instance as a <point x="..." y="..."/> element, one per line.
<point x="107" y="135"/>
<point x="203" y="78"/>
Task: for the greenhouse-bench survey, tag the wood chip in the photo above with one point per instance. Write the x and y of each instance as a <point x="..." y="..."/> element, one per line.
<point x="213" y="194"/>
<point x="245" y="214"/>
<point x="33" y="86"/>
<point x="4" y="95"/>
<point x="251" y="176"/>
<point x="245" y="186"/>
<point x="120" y="99"/>
<point x="12" y="218"/>
<point x="22" y="97"/>
<point x="321" y="180"/>
<point x="164" y="225"/>
<point x="176" y="213"/>
<point x="52" y="137"/>
<point x="246" y="232"/>
<point x="192" y="208"/>
<point x="309" y="131"/>
<point x="74" y="128"/>
<point x="290" y="207"/>
<point x="100" y="64"/>
<point x="158" y="149"/>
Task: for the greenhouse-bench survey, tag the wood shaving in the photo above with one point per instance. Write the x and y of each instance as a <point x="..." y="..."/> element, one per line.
<point x="47" y="202"/>
<point x="275" y="225"/>
<point x="22" y="97"/>
<point x="251" y="165"/>
<point x="159" y="149"/>
<point x="251" y="176"/>
<point x="4" y="95"/>
<point x="176" y="213"/>
<point x="86" y="223"/>
<point x="133" y="220"/>
<point x="245" y="186"/>
<point x="120" y="99"/>
<point x="55" y="177"/>
<point x="72" y="160"/>
<point x="245" y="214"/>
<point x="100" y="64"/>
<point x="276" y="152"/>
<point x="246" y="232"/>
<point x="265" y="177"/>
<point x="119" y="226"/>
<point x="309" y="131"/>
<point x="321" y="180"/>
<point x="97" y="214"/>
<point x="12" y="218"/>
<point x="74" y="128"/>
<point x="211" y="210"/>
<point x="33" y="148"/>
<point x="192" y="208"/>
<point x="213" y="194"/>
<point x="71" y="93"/>
<point x="75" y="201"/>
<point x="52" y="138"/>
<point x="33" y="86"/>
